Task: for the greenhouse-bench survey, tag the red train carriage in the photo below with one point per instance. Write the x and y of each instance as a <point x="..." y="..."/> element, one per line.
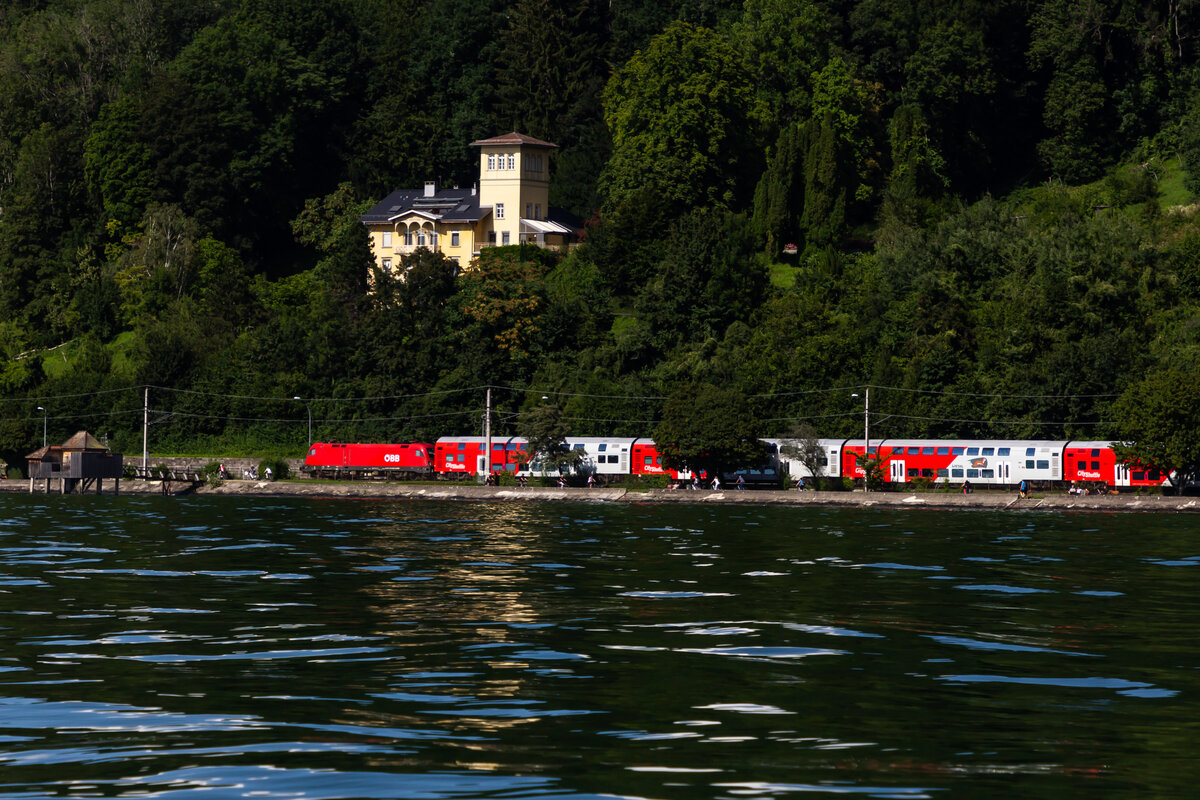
<point x="336" y="460"/>
<point x="646" y="460"/>
<point x="465" y="455"/>
<point x="1096" y="463"/>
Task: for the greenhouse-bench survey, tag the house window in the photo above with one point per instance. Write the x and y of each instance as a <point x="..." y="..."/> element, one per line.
<point x="504" y="237"/>
<point x="491" y="160"/>
<point x="537" y="209"/>
<point x="387" y="265"/>
<point x="454" y="238"/>
<point x="529" y="210"/>
<point x="433" y="238"/>
<point x="387" y="238"/>
<point x="408" y="238"/>
<point x="491" y="237"/>
<point x="420" y="238"/>
<point x="499" y="212"/>
<point x="512" y="161"/>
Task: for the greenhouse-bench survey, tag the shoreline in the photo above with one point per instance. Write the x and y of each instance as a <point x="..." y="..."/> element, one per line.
<point x="994" y="501"/>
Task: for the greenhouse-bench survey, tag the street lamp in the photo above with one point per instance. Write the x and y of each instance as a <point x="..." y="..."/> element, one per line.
<point x="309" y="409"/>
<point x="44" y="413"/>
<point x="866" y="432"/>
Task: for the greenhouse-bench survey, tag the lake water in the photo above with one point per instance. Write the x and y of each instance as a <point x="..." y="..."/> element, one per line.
<point x="258" y="647"/>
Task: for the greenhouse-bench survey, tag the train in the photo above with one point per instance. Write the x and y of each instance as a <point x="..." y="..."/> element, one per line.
<point x="983" y="463"/>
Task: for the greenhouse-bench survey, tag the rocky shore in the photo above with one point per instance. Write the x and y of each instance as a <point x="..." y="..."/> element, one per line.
<point x="1008" y="501"/>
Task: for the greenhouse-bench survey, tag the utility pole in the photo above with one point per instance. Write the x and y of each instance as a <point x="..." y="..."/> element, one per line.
<point x="146" y="431"/>
<point x="487" y="435"/>
<point x="867" y="419"/>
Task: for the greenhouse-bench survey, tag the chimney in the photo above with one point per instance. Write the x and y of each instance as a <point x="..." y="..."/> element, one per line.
<point x="474" y="189"/>
<point x="430" y="188"/>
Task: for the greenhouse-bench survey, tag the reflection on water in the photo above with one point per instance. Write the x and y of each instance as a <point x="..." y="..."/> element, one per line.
<point x="319" y="649"/>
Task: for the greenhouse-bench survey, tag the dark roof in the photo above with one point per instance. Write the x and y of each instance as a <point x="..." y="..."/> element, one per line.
<point x="447" y="205"/>
<point x="514" y="139"/>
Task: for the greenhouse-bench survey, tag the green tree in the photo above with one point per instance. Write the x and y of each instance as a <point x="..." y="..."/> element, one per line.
<point x="547" y="433"/>
<point x="1157" y="423"/>
<point x="705" y="428"/>
<point x="684" y="122"/>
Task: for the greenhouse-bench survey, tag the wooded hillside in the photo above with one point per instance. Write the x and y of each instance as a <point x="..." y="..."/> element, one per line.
<point x="990" y="202"/>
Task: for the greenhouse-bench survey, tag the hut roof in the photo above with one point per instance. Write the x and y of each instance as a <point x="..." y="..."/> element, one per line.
<point x="83" y="441"/>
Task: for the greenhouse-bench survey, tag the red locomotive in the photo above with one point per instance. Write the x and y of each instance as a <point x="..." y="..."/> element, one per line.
<point x="332" y="460"/>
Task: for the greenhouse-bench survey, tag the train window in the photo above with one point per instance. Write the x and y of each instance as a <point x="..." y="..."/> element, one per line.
<point x="972" y="451"/>
<point x="957" y="451"/>
<point x="418" y="453"/>
<point x="1029" y="451"/>
<point x="912" y="451"/>
<point x="1003" y="451"/>
<point x="497" y="467"/>
<point x="926" y="473"/>
<point x="926" y="451"/>
<point x="956" y="472"/>
<point x="578" y="447"/>
<point x="1095" y="452"/>
<point x="312" y="452"/>
<point x="498" y="445"/>
<point x="913" y="473"/>
<point x="1096" y="465"/>
<point x="1043" y="464"/>
<point x="462" y="445"/>
<point x="1029" y="464"/>
<point x="649" y="461"/>
<point x="1081" y="465"/>
<point x="1137" y="475"/>
<point x="601" y="448"/>
<point x="987" y="473"/>
<point x="514" y="445"/>
<point x="458" y="457"/>
<point x="943" y="451"/>
<point x="873" y="450"/>
<point x="943" y="473"/>
<point x="972" y="473"/>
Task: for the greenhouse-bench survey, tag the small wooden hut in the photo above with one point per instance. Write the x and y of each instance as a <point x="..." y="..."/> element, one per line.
<point x="79" y="463"/>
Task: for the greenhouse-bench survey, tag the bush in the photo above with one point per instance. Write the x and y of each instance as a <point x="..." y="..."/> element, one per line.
<point x="212" y="473"/>
<point x="278" y="466"/>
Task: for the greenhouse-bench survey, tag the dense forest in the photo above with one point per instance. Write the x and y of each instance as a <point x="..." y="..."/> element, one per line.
<point x="983" y="211"/>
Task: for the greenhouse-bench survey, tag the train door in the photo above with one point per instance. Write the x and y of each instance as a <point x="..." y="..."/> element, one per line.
<point x="624" y="461"/>
<point x="1121" y="475"/>
<point x="897" y="471"/>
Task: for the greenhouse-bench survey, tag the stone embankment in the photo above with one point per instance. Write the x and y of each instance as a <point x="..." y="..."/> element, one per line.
<point x="1008" y="501"/>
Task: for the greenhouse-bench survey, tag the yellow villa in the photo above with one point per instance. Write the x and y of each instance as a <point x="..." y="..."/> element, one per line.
<point x="510" y="206"/>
